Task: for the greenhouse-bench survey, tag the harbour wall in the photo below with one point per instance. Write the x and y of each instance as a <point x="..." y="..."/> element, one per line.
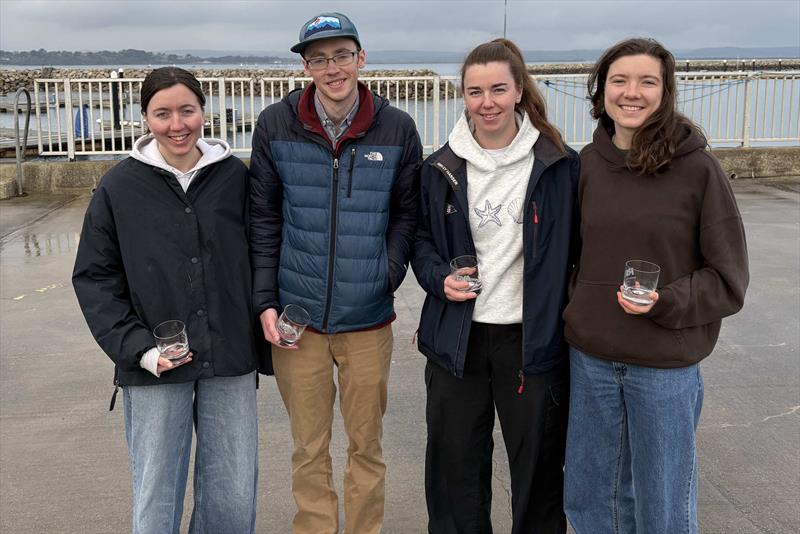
<point x="13" y="79"/>
<point x="78" y="176"/>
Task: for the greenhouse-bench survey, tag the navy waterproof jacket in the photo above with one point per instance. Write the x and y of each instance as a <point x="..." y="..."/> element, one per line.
<point x="150" y="253"/>
<point x="549" y="234"/>
<point x="332" y="227"/>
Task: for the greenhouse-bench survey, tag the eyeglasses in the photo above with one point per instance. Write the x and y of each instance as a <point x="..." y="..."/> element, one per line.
<point x="341" y="60"/>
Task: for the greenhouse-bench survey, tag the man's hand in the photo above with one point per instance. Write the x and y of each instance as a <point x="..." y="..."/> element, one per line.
<point x="269" y="325"/>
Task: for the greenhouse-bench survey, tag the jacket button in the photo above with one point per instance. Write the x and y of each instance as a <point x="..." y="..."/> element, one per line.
<point x="188" y="210"/>
<point x="195" y="260"/>
<point x="200" y="313"/>
<point x="205" y="365"/>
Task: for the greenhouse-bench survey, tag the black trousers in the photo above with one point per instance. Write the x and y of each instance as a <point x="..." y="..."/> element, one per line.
<point x="460" y="418"/>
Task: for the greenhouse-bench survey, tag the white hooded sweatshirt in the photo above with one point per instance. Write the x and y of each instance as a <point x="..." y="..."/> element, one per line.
<point x="146" y="150"/>
<point x="496" y="184"/>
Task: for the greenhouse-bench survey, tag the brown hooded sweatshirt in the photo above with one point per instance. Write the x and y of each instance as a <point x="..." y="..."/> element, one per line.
<point x="685" y="219"/>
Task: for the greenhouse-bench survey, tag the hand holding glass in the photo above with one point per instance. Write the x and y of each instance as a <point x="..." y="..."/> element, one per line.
<point x="171" y="341"/>
<point x="465" y="269"/>
<point x="641" y="279"/>
<point x="291" y="324"/>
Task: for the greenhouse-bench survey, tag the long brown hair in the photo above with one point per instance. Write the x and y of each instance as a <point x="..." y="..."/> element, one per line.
<point x="532" y="103"/>
<point x="654" y="142"/>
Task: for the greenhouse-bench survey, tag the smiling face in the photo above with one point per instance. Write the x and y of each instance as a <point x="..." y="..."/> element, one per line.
<point x="336" y="86"/>
<point x="490" y="96"/>
<point x="175" y="117"/>
<point x="633" y="91"/>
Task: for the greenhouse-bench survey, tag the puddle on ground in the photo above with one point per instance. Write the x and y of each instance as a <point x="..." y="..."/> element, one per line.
<point x="30" y="245"/>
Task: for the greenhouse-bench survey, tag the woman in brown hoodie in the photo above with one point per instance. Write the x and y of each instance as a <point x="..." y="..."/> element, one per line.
<point x="648" y="190"/>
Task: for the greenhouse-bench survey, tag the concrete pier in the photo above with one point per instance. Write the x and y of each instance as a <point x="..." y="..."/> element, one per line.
<point x="63" y="459"/>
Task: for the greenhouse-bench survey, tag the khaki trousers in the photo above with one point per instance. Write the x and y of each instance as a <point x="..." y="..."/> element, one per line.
<point x="305" y="380"/>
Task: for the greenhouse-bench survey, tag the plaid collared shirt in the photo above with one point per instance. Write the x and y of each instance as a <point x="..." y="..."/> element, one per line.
<point x="335" y="131"/>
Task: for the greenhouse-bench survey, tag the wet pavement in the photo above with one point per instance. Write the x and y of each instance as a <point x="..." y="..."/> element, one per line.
<point x="63" y="460"/>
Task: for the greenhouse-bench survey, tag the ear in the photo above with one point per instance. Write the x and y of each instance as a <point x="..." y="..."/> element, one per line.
<point x="362" y="58"/>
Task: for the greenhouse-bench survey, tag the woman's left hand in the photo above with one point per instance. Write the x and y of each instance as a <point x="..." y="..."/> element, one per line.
<point x="634" y="309"/>
<point x="165" y="365"/>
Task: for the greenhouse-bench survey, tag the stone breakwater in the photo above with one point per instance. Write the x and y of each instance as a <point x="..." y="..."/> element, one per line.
<point x="13" y="79"/>
<point x="682" y="66"/>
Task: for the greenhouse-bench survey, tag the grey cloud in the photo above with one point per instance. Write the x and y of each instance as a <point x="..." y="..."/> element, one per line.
<point x="451" y="25"/>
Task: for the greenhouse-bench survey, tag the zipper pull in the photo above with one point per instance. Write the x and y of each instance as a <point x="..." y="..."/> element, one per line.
<point x="535" y="213"/>
<point x="336" y="171"/>
<point x="521" y="387"/>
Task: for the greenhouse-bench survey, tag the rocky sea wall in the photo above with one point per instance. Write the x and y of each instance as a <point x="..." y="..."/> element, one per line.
<point x="12" y="79"/>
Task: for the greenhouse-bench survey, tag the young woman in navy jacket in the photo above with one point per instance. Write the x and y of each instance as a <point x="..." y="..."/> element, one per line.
<point x="503" y="189"/>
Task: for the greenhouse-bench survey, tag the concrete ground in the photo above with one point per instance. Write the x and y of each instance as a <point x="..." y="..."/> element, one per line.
<point x="63" y="460"/>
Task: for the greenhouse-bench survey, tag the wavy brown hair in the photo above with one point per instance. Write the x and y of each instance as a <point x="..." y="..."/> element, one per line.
<point x="532" y="103"/>
<point x="654" y="142"/>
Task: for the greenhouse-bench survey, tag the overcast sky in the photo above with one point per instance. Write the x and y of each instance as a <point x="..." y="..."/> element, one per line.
<point x="453" y="25"/>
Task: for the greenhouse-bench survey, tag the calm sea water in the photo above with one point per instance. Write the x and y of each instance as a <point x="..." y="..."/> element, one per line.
<point x="445" y="69"/>
<point x="715" y="105"/>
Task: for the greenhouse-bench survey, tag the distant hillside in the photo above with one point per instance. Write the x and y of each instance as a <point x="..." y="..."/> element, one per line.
<point x="732" y="52"/>
<point x="43" y="57"/>
<point x="581" y="55"/>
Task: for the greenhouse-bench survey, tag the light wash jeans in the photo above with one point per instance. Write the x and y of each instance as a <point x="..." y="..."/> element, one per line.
<point x="158" y="427"/>
<point x="631" y="465"/>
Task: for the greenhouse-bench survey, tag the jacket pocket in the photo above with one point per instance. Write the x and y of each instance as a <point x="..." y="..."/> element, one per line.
<point x="542" y="230"/>
<point x="440" y="329"/>
<point x="386" y="266"/>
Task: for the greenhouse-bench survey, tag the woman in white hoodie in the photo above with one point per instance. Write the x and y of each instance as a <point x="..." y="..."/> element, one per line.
<point x="165" y="238"/>
<point x="502" y="189"/>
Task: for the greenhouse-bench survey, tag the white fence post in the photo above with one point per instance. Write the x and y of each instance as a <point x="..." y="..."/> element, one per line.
<point x="746" y="114"/>
<point x="436" y="113"/>
<point x="70" y="120"/>
<point x="223" y="111"/>
<point x="38" y="115"/>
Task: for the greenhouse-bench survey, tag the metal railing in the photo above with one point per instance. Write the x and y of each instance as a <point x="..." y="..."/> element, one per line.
<point x="77" y="117"/>
<point x="21" y="142"/>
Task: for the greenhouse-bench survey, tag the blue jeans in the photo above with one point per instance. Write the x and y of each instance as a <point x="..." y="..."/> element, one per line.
<point x="158" y="428"/>
<point x="631" y="465"/>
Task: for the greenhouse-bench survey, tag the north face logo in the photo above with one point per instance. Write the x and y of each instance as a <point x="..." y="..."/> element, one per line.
<point x="374" y="156"/>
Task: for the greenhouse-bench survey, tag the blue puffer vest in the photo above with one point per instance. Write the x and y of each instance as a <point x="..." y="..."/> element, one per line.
<point x="335" y="256"/>
<point x="336" y="212"/>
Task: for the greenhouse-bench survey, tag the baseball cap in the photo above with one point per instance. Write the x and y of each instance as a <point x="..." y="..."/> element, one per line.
<point x="326" y="26"/>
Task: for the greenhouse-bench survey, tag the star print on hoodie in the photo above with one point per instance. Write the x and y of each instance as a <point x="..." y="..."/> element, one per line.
<point x="497" y="181"/>
<point x="488" y="214"/>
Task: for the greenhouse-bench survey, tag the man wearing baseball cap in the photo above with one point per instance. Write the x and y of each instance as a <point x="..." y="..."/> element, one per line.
<point x="334" y="185"/>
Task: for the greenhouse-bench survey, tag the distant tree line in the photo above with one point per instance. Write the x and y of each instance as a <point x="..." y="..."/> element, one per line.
<point x="129" y="56"/>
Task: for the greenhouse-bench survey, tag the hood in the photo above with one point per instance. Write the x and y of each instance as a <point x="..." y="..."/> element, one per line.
<point x="146" y="150"/>
<point x="463" y="144"/>
<point x="689" y="140"/>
